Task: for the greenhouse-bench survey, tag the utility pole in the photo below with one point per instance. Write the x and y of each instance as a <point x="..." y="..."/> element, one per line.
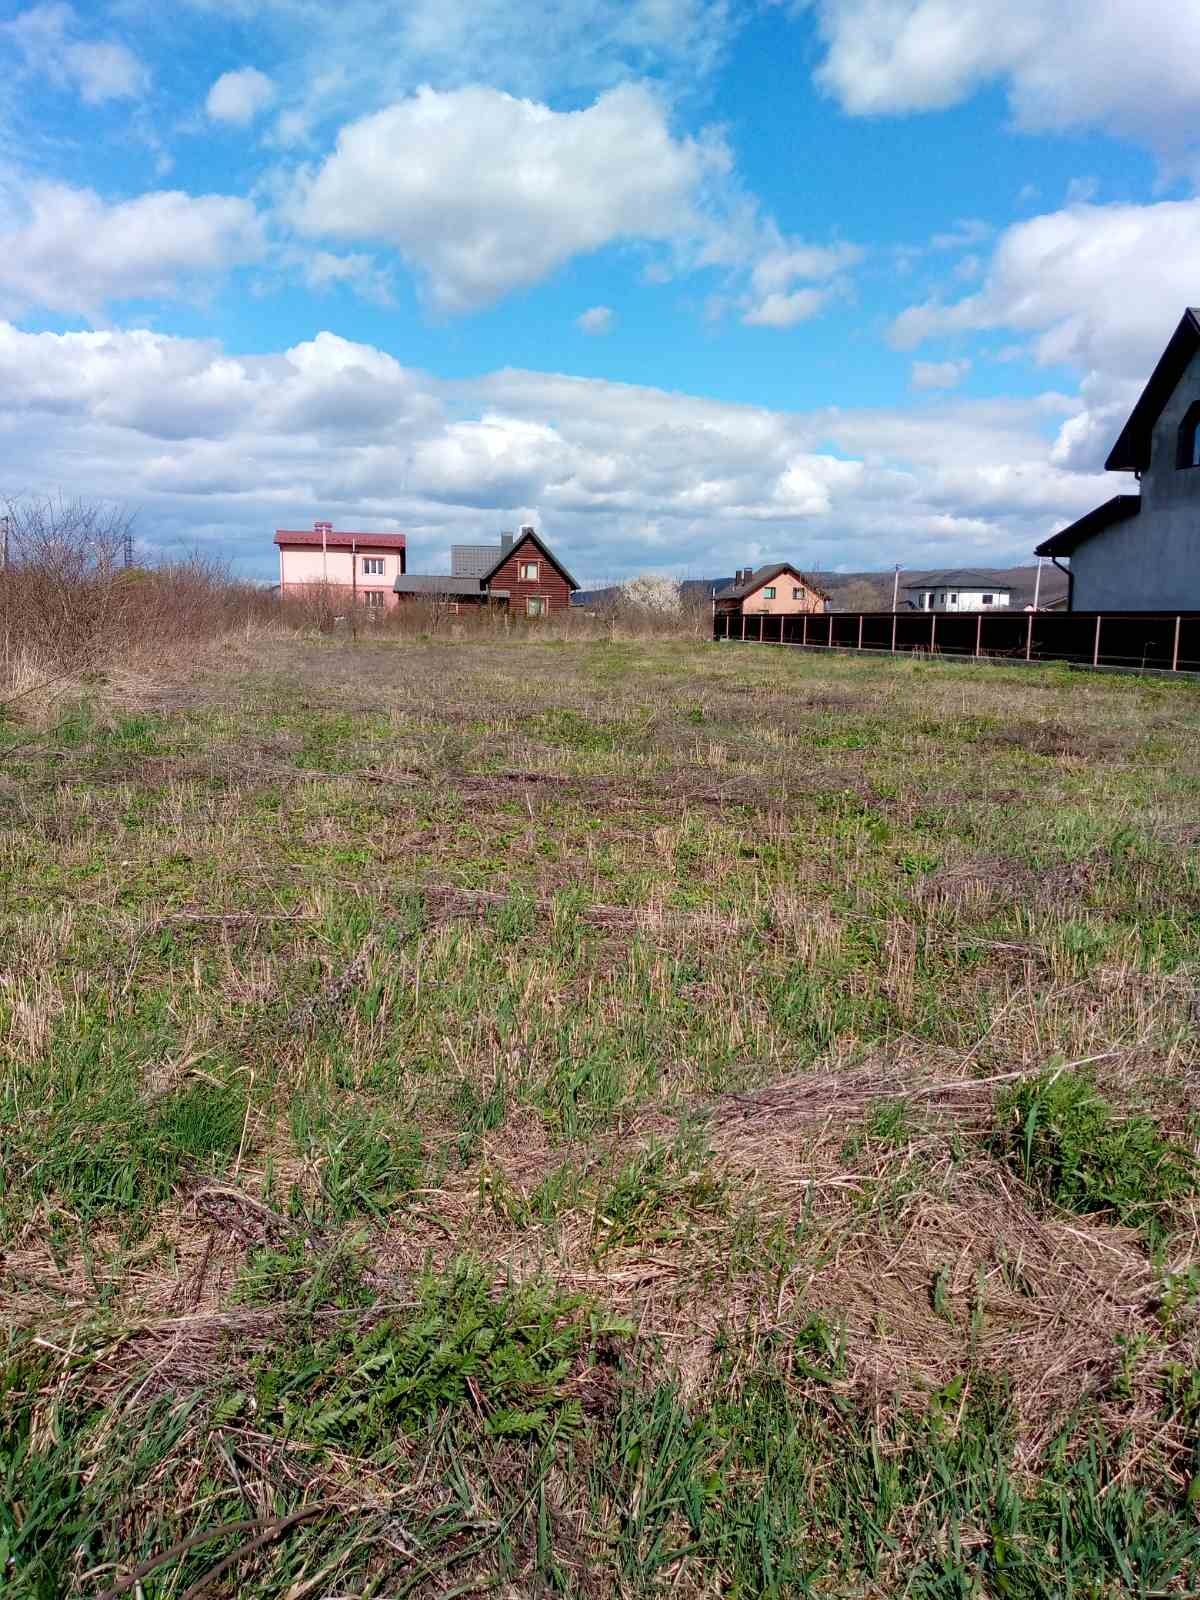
<point x="896" y="588"/>
<point x="1037" y="584"/>
<point x="127" y="542"/>
<point x="5" y="523"/>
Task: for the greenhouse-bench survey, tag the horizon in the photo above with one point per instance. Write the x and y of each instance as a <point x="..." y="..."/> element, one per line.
<point x="831" y="280"/>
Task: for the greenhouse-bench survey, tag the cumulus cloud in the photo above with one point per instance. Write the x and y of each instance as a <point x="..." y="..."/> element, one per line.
<point x="484" y="193"/>
<point x="785" y="310"/>
<point x="1131" y="67"/>
<point x="49" y="42"/>
<point x="68" y="250"/>
<point x="596" y="320"/>
<point x="1098" y="287"/>
<point x="238" y="97"/>
<point x="938" y="374"/>
<point x="218" y="448"/>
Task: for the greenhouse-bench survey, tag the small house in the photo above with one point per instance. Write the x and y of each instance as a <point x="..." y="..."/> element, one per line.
<point x="1141" y="551"/>
<point x="779" y="590"/>
<point x="362" y="566"/>
<point x="961" y="589"/>
<point x="521" y="574"/>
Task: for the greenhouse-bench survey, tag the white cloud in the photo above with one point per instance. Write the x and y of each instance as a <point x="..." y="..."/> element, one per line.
<point x="596" y="320"/>
<point x="938" y="374"/>
<point x="1097" y="287"/>
<point x="1131" y="67"/>
<point x="100" y="69"/>
<point x="239" y="97"/>
<point x="68" y="250"/>
<point x="219" y="448"/>
<point x="484" y="193"/>
<point x="785" y="310"/>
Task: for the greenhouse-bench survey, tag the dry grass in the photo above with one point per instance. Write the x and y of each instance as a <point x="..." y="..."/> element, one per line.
<point x="690" y="986"/>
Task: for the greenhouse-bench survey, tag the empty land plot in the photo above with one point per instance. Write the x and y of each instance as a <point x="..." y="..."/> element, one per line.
<point x="600" y="1119"/>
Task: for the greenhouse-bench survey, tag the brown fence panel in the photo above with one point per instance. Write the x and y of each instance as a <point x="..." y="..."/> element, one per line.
<point x="1137" y="640"/>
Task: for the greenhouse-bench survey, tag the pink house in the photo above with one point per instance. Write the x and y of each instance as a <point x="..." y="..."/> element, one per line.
<point x="365" y="565"/>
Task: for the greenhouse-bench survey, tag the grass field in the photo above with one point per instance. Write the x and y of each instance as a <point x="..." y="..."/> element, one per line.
<point x="600" y="1119"/>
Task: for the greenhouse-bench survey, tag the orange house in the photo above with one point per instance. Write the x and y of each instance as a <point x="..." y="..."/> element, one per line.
<point x="780" y="590"/>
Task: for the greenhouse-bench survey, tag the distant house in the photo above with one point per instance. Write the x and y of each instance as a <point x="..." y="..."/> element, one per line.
<point x="774" y="591"/>
<point x="1141" y="552"/>
<point x="359" y="565"/>
<point x="960" y="589"/>
<point x="521" y="573"/>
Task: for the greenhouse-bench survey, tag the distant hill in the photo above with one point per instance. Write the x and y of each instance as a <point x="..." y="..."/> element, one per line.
<point x="872" y="591"/>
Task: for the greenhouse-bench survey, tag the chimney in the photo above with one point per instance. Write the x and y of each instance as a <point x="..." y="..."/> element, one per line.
<point x="525" y="528"/>
<point x="506" y="543"/>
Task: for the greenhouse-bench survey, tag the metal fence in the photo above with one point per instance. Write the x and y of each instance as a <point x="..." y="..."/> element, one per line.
<point x="1133" y="640"/>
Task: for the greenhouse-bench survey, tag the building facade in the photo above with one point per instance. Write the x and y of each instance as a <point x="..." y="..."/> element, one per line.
<point x="1141" y="551"/>
<point x="961" y="589"/>
<point x="359" y="566"/>
<point x="779" y="590"/>
<point x="521" y="574"/>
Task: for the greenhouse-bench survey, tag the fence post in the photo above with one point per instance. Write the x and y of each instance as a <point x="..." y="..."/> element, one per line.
<point x="1175" y="647"/>
<point x="831" y="630"/>
<point x="804" y="636"/>
<point x="932" y="630"/>
<point x="1029" y="637"/>
<point x="893" y="633"/>
<point x="1096" y="645"/>
<point x="743" y="624"/>
<point x="860" y="628"/>
<point x="978" y="633"/>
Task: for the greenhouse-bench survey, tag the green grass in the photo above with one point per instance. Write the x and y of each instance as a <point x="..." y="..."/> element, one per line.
<point x="591" y="1119"/>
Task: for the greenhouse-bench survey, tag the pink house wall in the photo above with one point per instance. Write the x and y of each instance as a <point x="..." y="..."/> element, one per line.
<point x="302" y="566"/>
<point x="783" y="604"/>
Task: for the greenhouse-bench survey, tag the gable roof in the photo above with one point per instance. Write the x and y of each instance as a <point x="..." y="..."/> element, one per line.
<point x="960" y="578"/>
<point x="1131" y="453"/>
<point x="525" y="535"/>
<point x="1118" y="509"/>
<point x="340" y="540"/>
<point x="739" y="591"/>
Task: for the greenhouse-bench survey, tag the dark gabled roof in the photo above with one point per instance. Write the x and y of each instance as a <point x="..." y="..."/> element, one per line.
<point x="960" y="578"/>
<point x="503" y="556"/>
<point x="1131" y="453"/>
<point x="739" y="591"/>
<point x="435" y="584"/>
<point x="1119" y="509"/>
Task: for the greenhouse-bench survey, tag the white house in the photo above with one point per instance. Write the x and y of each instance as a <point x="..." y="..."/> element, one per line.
<point x="1141" y="552"/>
<point x="958" y="590"/>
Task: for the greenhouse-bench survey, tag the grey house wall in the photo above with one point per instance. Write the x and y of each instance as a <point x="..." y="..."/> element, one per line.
<point x="1151" y="562"/>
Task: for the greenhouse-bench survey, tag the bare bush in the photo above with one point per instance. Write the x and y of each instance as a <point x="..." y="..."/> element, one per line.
<point x="69" y="604"/>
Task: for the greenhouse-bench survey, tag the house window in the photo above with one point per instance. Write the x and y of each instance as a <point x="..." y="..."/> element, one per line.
<point x="373" y="598"/>
<point x="535" y="606"/>
<point x="1188" y="448"/>
<point x="373" y="566"/>
<point x="769" y="592"/>
<point x="987" y="599"/>
<point x="529" y="571"/>
<point x="953" y="599"/>
<point x="797" y="594"/>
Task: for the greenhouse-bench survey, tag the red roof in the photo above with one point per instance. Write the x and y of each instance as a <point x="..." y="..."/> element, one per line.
<point x="341" y="539"/>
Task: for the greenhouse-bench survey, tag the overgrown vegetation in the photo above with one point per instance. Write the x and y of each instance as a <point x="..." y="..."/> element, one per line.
<point x="489" y="1114"/>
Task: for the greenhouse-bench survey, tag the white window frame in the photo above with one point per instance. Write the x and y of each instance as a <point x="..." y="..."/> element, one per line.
<point x="529" y="572"/>
<point x="374" y="599"/>
<point x="535" y="606"/>
<point x="987" y="599"/>
<point x="797" y="594"/>
<point x="769" y="592"/>
<point x="372" y="566"/>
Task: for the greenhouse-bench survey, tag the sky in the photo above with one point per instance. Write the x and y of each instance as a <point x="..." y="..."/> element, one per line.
<point x="686" y="284"/>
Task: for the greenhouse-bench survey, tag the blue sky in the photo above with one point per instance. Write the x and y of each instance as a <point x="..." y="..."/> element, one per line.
<point x="687" y="283"/>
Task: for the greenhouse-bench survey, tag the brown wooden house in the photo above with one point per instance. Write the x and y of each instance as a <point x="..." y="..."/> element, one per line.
<point x="526" y="577"/>
<point x="776" y="590"/>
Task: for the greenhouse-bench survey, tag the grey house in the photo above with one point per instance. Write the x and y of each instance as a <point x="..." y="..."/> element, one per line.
<point x="1141" y="552"/>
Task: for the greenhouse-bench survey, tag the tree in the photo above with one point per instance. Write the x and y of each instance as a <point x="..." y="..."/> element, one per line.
<point x="661" y="596"/>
